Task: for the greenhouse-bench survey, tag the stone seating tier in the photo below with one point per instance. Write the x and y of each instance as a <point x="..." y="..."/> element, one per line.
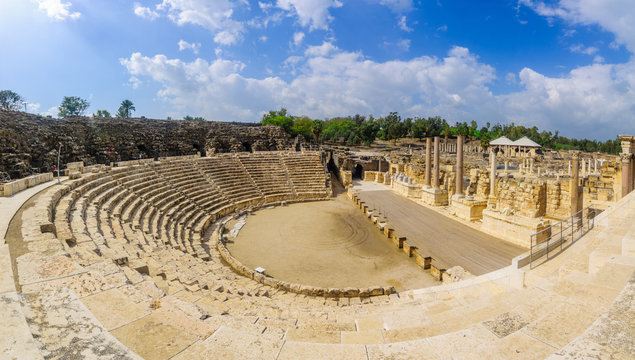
<point x="123" y="291"/>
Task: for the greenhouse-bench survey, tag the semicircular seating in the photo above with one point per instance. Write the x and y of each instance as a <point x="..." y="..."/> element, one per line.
<point x="131" y="269"/>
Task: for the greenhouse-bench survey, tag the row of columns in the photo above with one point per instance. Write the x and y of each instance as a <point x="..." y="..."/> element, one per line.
<point x="450" y="148"/>
<point x="428" y="175"/>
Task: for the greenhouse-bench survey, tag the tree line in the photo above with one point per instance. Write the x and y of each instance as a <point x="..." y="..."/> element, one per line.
<point x="362" y="130"/>
<point x="358" y="129"/>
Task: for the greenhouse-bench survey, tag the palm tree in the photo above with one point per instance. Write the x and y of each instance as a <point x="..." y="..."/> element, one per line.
<point x="126" y="107"/>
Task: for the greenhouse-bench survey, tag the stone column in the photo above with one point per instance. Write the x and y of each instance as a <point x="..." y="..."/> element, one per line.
<point x="506" y="165"/>
<point x="435" y="180"/>
<point x="492" y="173"/>
<point x="531" y="166"/>
<point x="595" y="165"/>
<point x="459" y="166"/>
<point x="428" y="162"/>
<point x="626" y="174"/>
<point x="575" y="159"/>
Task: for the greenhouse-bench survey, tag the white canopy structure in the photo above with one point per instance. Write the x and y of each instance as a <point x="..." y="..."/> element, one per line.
<point x="526" y="142"/>
<point x="501" y="141"/>
<point x="521" y="147"/>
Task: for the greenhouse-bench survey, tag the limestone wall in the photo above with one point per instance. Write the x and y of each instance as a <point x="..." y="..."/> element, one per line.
<point x="558" y="199"/>
<point x="10" y="188"/>
<point x="524" y="197"/>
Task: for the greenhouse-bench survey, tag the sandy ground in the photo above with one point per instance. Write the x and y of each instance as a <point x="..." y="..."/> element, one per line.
<point x="325" y="244"/>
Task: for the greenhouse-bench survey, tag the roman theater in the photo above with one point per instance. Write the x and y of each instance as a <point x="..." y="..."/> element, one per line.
<point x="173" y="240"/>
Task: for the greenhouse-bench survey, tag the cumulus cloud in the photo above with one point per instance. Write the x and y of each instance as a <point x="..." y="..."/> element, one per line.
<point x="320" y="50"/>
<point x="588" y="98"/>
<point x="184" y="45"/>
<point x="615" y="16"/>
<point x="331" y="82"/>
<point x="214" y="15"/>
<point x="312" y="13"/>
<point x="58" y="10"/>
<point x="598" y="96"/>
<point x="145" y="12"/>
<point x="297" y="38"/>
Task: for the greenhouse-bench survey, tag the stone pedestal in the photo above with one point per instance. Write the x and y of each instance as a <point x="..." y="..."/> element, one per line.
<point x="468" y="209"/>
<point x="513" y="228"/>
<point x="434" y="197"/>
<point x="406" y="189"/>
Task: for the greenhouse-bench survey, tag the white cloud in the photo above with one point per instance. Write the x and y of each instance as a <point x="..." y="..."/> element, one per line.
<point x="145" y="12"/>
<point x="598" y="59"/>
<point x="510" y="78"/>
<point x="263" y="38"/>
<point x="442" y="28"/>
<point x="312" y="13"/>
<point x="184" y="45"/>
<point x="404" y="44"/>
<point x="32" y="108"/>
<point x="615" y="16"/>
<point x="214" y="15"/>
<point x="581" y="49"/>
<point x="297" y="38"/>
<point x="397" y="6"/>
<point x="330" y="83"/>
<point x="403" y="25"/>
<point x="58" y="10"/>
<point x="320" y="50"/>
<point x="594" y="100"/>
<point x="52" y="111"/>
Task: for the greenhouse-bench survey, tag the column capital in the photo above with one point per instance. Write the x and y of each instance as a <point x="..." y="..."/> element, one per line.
<point x="626" y="157"/>
<point x="575" y="154"/>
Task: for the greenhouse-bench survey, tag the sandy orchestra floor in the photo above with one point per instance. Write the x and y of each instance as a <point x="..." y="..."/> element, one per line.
<point x="325" y="244"/>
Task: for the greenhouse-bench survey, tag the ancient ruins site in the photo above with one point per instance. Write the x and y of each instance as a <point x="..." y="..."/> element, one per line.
<point x="238" y="242"/>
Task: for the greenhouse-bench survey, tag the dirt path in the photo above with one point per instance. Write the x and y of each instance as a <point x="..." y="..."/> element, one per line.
<point x="445" y="239"/>
<point x="325" y="244"/>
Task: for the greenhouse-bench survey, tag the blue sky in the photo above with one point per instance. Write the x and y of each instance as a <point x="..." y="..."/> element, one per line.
<point x="563" y="65"/>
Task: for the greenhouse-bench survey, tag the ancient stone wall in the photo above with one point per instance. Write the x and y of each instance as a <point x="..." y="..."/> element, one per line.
<point x="558" y="202"/>
<point x="29" y="143"/>
<point x="523" y="197"/>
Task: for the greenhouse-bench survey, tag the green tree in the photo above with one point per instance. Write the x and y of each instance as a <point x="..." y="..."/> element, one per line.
<point x="102" y="114"/>
<point x="10" y="100"/>
<point x="303" y="126"/>
<point x="368" y="131"/>
<point x="72" y="106"/>
<point x="279" y="118"/>
<point x="190" y="118"/>
<point x="125" y="109"/>
<point x="316" y="129"/>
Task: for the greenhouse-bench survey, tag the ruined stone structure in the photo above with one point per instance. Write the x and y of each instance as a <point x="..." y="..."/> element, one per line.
<point x="515" y="190"/>
<point x="29" y="143"/>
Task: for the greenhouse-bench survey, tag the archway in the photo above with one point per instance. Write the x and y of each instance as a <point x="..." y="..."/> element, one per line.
<point x="358" y="172"/>
<point x="200" y="149"/>
<point x="247" y="146"/>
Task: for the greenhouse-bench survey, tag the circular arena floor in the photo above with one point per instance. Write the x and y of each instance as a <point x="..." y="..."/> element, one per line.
<point x="324" y="244"/>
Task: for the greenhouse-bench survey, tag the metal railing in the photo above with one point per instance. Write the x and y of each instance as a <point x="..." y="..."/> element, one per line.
<point x="553" y="239"/>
